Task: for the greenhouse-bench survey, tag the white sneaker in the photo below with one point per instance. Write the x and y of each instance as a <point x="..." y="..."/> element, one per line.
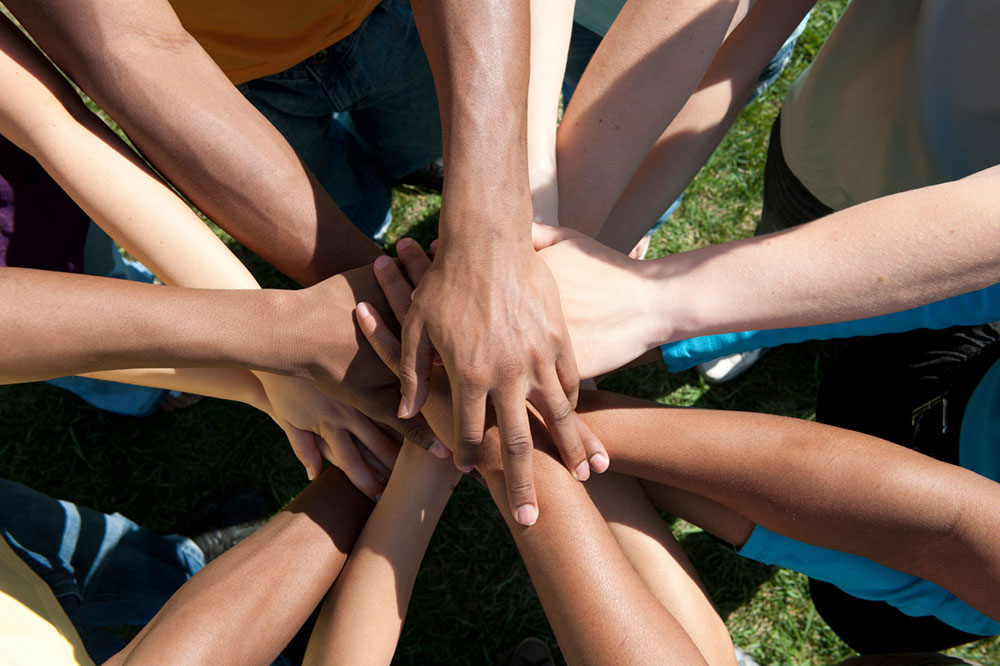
<point x="742" y="658"/>
<point x="728" y="368"/>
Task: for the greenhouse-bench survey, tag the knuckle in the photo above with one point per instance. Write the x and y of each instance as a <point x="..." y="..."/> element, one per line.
<point x="521" y="488"/>
<point x="509" y="369"/>
<point x="470" y="377"/>
<point x="518" y="446"/>
<point x="561" y="413"/>
<point x="470" y="440"/>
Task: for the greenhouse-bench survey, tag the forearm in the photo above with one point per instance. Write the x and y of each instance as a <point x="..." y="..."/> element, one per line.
<point x="267" y="585"/>
<point x="222" y="383"/>
<point x="364" y="612"/>
<point x="551" y="25"/>
<point x="623" y="103"/>
<point x="823" y="485"/>
<point x="705" y="118"/>
<point x="882" y="256"/>
<point x="208" y="140"/>
<point x="661" y="563"/>
<point x="600" y="609"/>
<point x="479" y="54"/>
<point x="113" y="185"/>
<point x="60" y="324"/>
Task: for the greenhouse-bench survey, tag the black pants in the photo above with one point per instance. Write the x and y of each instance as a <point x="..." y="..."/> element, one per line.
<point x="909" y="388"/>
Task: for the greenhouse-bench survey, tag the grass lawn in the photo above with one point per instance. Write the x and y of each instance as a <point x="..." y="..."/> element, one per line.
<point x="473" y="601"/>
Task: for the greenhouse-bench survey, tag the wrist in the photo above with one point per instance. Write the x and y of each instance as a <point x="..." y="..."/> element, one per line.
<point x="480" y="215"/>
<point x="665" y="285"/>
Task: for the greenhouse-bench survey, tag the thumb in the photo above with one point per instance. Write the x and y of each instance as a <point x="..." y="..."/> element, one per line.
<point x="545" y="235"/>
<point x="304" y="445"/>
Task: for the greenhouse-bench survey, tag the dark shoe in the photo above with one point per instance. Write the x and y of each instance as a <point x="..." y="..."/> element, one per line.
<point x="430" y="177"/>
<point x="224" y="521"/>
<point x="215" y="542"/>
<point x="532" y="652"/>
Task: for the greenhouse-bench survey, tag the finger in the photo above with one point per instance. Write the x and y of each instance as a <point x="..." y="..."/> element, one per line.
<point x="516" y="451"/>
<point x="597" y="455"/>
<point x="387" y="348"/>
<point x="433" y="248"/>
<point x="469" y="405"/>
<point x="413" y="258"/>
<point x="560" y="420"/>
<point x="377" y="466"/>
<point x="544" y="235"/>
<point x="568" y="373"/>
<point x="304" y="446"/>
<point x="416" y="357"/>
<point x="417" y="431"/>
<point x="394" y="285"/>
<point x="379" y="336"/>
<point x="375" y="442"/>
<point x="341" y="450"/>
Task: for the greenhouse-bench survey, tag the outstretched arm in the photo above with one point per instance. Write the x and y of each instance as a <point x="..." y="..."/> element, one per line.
<point x="142" y="67"/>
<point x="826" y="486"/>
<point x="625" y="99"/>
<point x="122" y="194"/>
<point x="245" y="606"/>
<point x="364" y="612"/>
<point x="883" y="256"/>
<point x="551" y="27"/>
<point x="489" y="306"/>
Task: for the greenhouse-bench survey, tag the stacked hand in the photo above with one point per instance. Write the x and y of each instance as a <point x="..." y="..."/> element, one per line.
<point x="484" y="358"/>
<point x="607" y="299"/>
<point x="318" y="427"/>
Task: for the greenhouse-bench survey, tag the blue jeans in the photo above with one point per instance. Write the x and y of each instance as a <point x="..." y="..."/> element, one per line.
<point x="104" y="569"/>
<point x="360" y="113"/>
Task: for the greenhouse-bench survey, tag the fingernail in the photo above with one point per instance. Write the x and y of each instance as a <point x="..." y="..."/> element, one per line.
<point x="310" y="474"/>
<point x="599" y="463"/>
<point x="404" y="243"/>
<point x="526" y="514"/>
<point x="378" y="496"/>
<point x="404" y="408"/>
<point x="582" y="471"/>
<point x="382" y="262"/>
<point x="439" y="450"/>
<point x="466" y="468"/>
<point x="364" y="310"/>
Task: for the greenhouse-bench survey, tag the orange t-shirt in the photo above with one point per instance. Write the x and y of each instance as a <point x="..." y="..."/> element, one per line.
<point x="253" y="38"/>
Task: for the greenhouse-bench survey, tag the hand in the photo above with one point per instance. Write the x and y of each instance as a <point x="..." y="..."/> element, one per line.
<point x="513" y="351"/>
<point x="315" y="338"/>
<point x="319" y="427"/>
<point x="398" y="292"/>
<point x="603" y="296"/>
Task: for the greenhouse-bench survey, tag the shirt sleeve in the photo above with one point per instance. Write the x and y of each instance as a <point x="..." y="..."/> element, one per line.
<point x="866" y="579"/>
<point x="977" y="307"/>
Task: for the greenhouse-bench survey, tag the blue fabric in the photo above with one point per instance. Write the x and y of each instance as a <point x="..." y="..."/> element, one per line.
<point x="977" y="307"/>
<point x="104" y="569"/>
<point x="360" y="113"/>
<point x="866" y="579"/>
<point x="979" y="439"/>
<point x="101" y="257"/>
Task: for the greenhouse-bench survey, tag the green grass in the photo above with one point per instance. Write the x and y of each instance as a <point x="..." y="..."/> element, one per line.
<point x="473" y="601"/>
